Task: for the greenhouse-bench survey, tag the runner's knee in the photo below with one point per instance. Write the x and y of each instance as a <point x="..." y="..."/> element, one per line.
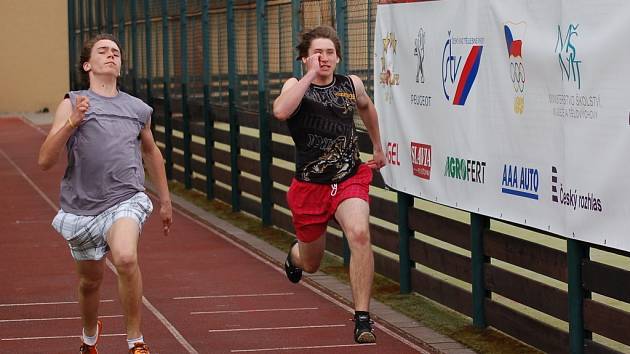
<point x="125" y="262"/>
<point x="311" y="266"/>
<point x="88" y="284"/>
<point x="358" y="235"/>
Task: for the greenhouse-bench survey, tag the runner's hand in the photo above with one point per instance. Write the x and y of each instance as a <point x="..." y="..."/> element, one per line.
<point x="166" y="214"/>
<point x="377" y="161"/>
<point x="313" y="62"/>
<point x="80" y="108"/>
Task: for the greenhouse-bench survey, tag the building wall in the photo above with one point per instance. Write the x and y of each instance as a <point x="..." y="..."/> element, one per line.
<point x="34" y="59"/>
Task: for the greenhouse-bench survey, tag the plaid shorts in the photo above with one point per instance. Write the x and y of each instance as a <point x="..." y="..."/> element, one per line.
<point x="87" y="235"/>
<point x="313" y="205"/>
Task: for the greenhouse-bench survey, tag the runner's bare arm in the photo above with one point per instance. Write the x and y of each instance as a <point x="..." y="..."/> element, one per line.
<point x="368" y="115"/>
<point x="66" y="120"/>
<point x="155" y="166"/>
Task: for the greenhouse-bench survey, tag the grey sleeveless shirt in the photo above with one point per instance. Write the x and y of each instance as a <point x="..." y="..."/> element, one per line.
<point x="104" y="157"/>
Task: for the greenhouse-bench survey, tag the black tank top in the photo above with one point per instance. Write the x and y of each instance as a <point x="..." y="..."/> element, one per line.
<point x="324" y="134"/>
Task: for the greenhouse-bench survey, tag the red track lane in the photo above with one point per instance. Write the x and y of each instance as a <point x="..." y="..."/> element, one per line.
<point x="202" y="292"/>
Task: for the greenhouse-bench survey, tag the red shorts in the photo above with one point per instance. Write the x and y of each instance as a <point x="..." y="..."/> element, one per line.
<point x="313" y="204"/>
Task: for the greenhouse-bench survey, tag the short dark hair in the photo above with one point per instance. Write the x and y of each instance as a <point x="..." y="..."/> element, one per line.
<point x="86" y="53"/>
<point x="318" y="32"/>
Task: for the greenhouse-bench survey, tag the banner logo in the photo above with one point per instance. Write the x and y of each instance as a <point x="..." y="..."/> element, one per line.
<point x="392" y="154"/>
<point x="465" y="170"/>
<point x="513" y="32"/>
<point x="389" y="77"/>
<point x="419" y="52"/>
<point x="520" y="181"/>
<point x="458" y="80"/>
<point x="571" y="103"/>
<point x="421" y="160"/>
<point x="570" y="197"/>
<point x="567" y="55"/>
<point x="419" y="99"/>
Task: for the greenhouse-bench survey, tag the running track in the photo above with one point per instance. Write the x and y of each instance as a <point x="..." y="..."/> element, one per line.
<point x="204" y="293"/>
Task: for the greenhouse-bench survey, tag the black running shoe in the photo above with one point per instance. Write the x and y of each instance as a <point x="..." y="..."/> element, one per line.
<point x="363" y="332"/>
<point x="293" y="273"/>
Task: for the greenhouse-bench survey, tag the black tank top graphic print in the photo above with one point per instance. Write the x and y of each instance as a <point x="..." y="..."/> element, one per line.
<point x="324" y="134"/>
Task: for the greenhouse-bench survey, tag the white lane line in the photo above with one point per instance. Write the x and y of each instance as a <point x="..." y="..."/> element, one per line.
<point x="30" y="181"/>
<point x="250" y="311"/>
<point x="273" y="328"/>
<point x="33" y="125"/>
<point x="52" y="319"/>
<point x="301" y="348"/>
<point x="46" y="303"/>
<point x="169" y="326"/>
<point x="20" y="222"/>
<point x="305" y="284"/>
<point x="180" y="338"/>
<point x="146" y="302"/>
<point x="59" y="337"/>
<point x="229" y="296"/>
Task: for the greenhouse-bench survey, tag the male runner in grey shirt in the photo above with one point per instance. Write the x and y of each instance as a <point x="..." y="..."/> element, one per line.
<point x="107" y="134"/>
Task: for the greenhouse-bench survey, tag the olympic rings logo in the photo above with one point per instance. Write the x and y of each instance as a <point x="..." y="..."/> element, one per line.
<point x="517" y="74"/>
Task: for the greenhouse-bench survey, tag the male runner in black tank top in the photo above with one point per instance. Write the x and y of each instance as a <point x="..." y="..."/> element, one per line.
<point x="330" y="180"/>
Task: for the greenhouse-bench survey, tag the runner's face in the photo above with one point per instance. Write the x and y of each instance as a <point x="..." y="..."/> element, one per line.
<point x="329" y="59"/>
<point x="105" y="58"/>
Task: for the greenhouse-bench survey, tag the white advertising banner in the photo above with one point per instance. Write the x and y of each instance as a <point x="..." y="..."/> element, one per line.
<point x="519" y="110"/>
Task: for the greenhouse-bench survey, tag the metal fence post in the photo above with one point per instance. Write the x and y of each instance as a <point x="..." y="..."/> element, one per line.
<point x="80" y="24"/>
<point x="71" y="44"/>
<point x="89" y="17"/>
<point x="168" y="128"/>
<point x="110" y="17"/>
<point x="577" y="251"/>
<point x="120" y="16"/>
<point x="295" y="32"/>
<point x="405" y="202"/>
<point x="183" y="38"/>
<point x="208" y="122"/>
<point x="370" y="49"/>
<point x="134" y="48"/>
<point x="148" y="56"/>
<point x="234" y="126"/>
<point x="341" y="16"/>
<point x="263" y="114"/>
<point x="99" y="16"/>
<point x="478" y="225"/>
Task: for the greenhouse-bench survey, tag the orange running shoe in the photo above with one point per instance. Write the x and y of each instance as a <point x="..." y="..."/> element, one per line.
<point x="91" y="349"/>
<point x="139" y="348"/>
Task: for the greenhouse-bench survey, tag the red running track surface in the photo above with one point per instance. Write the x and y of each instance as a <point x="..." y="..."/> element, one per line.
<point x="203" y="292"/>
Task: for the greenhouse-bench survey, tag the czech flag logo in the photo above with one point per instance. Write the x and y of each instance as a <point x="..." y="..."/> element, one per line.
<point x="469" y="73"/>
